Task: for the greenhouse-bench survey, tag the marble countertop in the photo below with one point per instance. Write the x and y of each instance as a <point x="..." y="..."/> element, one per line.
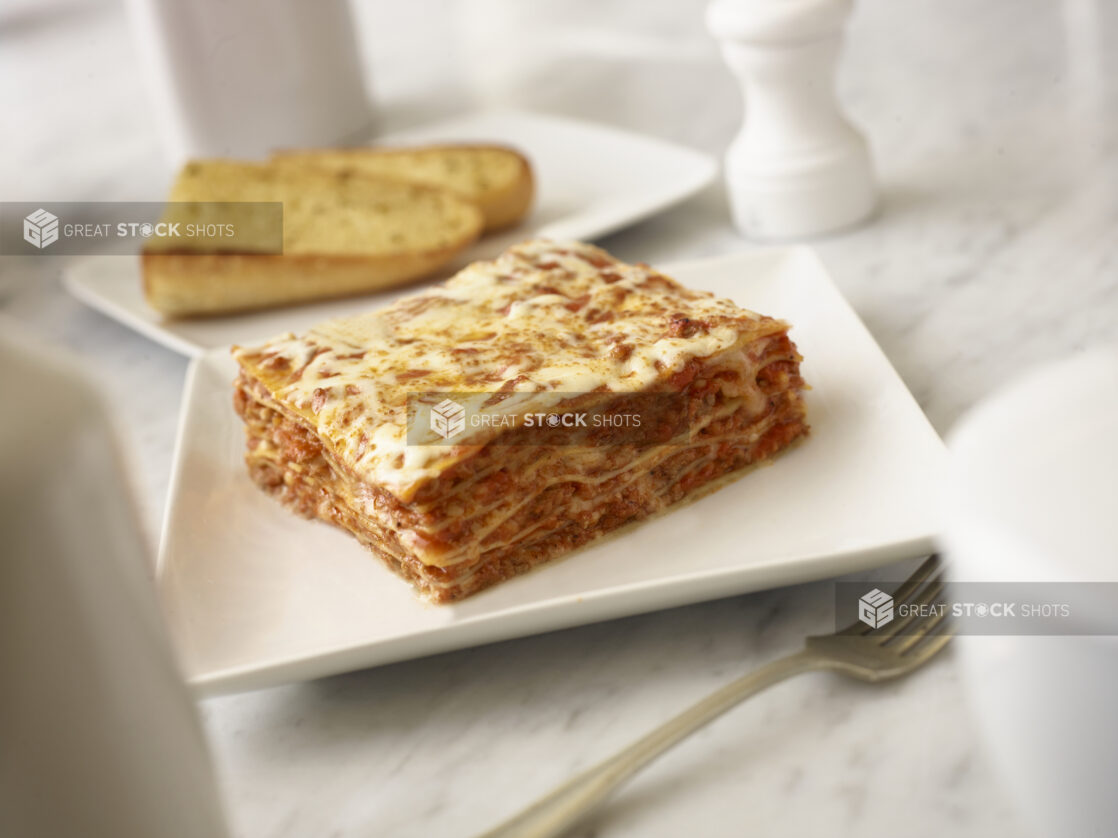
<point x="995" y="131"/>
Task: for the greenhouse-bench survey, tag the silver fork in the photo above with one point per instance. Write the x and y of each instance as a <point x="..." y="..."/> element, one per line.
<point x="893" y="650"/>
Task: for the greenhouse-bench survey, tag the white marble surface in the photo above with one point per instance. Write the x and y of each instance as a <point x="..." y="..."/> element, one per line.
<point x="995" y="129"/>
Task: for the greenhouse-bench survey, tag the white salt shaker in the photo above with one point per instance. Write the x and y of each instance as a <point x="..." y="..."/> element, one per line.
<point x="797" y="168"/>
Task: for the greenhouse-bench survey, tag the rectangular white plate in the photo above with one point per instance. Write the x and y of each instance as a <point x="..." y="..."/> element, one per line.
<point x="590" y="180"/>
<point x="257" y="596"/>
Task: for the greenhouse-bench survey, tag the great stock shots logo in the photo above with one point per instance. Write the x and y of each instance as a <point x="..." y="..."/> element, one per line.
<point x="550" y="418"/>
<point x="875" y="609"/>
<point x="111" y="228"/>
<point x="40" y="228"/>
<point x="448" y="418"/>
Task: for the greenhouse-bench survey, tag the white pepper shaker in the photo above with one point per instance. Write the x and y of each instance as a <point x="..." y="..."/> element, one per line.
<point x="797" y="168"/>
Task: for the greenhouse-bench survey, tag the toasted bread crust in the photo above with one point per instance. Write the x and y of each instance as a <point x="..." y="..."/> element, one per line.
<point x="404" y="231"/>
<point x="181" y="284"/>
<point x="507" y="207"/>
<point x="503" y="206"/>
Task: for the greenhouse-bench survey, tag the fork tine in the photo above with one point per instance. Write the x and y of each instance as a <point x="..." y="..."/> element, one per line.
<point x="927" y="595"/>
<point x="930" y="565"/>
<point x="919" y="652"/>
<point x="920" y="632"/>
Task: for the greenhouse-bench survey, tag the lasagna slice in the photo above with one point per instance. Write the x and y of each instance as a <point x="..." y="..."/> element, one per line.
<point x="443" y="431"/>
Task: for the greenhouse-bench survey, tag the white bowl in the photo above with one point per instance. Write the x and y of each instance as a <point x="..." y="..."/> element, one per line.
<point x="1032" y="496"/>
<point x="95" y="720"/>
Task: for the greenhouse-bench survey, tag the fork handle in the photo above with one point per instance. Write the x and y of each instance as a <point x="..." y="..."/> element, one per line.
<point x="554" y="814"/>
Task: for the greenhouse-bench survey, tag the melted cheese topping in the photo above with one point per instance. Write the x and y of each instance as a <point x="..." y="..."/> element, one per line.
<point x="542" y="321"/>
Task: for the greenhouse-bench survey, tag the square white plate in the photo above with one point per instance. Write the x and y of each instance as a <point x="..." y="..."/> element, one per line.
<point x="257" y="596"/>
<point x="590" y="180"/>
